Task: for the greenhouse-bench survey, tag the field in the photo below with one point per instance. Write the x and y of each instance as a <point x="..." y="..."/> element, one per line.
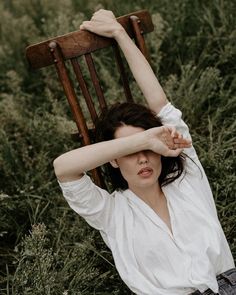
<point x="45" y="248"/>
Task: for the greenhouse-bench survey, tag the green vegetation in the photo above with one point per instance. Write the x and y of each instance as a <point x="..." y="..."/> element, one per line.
<point x="45" y="248"/>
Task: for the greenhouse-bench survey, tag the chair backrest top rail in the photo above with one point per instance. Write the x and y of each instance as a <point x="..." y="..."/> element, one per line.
<point x="80" y="42"/>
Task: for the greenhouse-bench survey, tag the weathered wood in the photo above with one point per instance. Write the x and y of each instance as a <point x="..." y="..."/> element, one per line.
<point x="139" y="39"/>
<point x="123" y="75"/>
<point x="70" y="46"/>
<point x="84" y="88"/>
<point x="73" y="102"/>
<point x="81" y="42"/>
<point x="69" y="91"/>
<point x="94" y="78"/>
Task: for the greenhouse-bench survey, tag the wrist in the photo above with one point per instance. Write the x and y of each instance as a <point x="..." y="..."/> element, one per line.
<point x="153" y="137"/>
<point x="134" y="143"/>
<point x="119" y="33"/>
<point x="144" y="140"/>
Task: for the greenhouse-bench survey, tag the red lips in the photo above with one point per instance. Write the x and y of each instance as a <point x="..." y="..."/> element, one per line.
<point x="145" y="170"/>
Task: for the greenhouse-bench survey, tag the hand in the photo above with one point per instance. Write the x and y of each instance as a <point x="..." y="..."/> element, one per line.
<point x="167" y="141"/>
<point x="103" y="23"/>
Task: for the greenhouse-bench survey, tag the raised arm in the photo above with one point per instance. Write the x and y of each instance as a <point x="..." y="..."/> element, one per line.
<point x="162" y="140"/>
<point x="104" y="23"/>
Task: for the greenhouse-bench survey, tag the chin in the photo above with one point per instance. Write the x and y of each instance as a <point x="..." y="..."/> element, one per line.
<point x="147" y="182"/>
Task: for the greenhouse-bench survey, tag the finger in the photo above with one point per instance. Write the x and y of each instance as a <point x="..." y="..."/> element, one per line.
<point x="182" y="145"/>
<point x="168" y="141"/>
<point x="84" y="24"/>
<point x="87" y="25"/>
<point x="173" y="131"/>
<point x="177" y="134"/>
<point x="182" y="140"/>
<point x="104" y="12"/>
<point x="98" y="11"/>
<point x="102" y="19"/>
<point x="174" y="153"/>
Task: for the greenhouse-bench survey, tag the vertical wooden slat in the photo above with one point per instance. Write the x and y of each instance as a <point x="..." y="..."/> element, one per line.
<point x="84" y="88"/>
<point x="95" y="80"/>
<point x="135" y="21"/>
<point x="73" y="102"/>
<point x="69" y="91"/>
<point x="123" y="75"/>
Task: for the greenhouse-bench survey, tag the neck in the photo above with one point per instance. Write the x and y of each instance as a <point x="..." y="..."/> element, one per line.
<point x="151" y="195"/>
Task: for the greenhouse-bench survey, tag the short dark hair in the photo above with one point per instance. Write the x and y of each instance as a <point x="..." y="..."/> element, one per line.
<point x="136" y="115"/>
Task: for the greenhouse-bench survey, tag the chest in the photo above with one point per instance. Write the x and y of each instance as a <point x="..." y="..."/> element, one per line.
<point x="163" y="213"/>
<point x="176" y="227"/>
<point x="172" y="224"/>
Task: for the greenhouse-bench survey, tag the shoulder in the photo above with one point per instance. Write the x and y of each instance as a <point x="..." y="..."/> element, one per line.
<point x="82" y="188"/>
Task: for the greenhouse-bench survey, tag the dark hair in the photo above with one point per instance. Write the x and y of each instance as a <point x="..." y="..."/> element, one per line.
<point x="136" y="115"/>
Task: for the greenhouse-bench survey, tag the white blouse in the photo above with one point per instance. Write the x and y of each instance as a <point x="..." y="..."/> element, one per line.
<point x="149" y="258"/>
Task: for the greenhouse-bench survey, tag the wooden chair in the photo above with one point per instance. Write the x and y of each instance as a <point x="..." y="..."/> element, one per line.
<point x="69" y="47"/>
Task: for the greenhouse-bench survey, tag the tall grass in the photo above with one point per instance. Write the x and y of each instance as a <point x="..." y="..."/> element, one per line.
<point x="46" y="248"/>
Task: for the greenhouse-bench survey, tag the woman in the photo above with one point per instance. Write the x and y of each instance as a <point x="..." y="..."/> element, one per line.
<point x="161" y="222"/>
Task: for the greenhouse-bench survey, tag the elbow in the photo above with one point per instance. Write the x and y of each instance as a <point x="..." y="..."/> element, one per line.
<point x="65" y="171"/>
<point x="58" y="168"/>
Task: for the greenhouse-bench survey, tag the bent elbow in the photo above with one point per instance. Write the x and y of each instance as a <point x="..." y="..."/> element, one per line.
<point x="65" y="171"/>
<point x="57" y="165"/>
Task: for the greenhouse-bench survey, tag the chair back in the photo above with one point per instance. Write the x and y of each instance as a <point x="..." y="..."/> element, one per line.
<point x="65" y="49"/>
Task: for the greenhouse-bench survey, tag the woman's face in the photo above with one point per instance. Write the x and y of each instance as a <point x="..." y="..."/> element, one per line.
<point x="142" y="169"/>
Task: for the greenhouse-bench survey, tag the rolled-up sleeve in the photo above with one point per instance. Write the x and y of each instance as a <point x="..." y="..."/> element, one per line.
<point x="196" y="176"/>
<point x="170" y="115"/>
<point x="91" y="202"/>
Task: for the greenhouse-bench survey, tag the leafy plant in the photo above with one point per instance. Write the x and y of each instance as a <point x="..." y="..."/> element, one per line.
<point x="45" y="248"/>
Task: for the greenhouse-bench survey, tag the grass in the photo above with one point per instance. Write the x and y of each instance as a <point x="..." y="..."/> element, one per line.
<point x="45" y="248"/>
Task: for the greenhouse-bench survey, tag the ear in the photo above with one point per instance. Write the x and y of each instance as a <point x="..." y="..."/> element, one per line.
<point x="114" y="164"/>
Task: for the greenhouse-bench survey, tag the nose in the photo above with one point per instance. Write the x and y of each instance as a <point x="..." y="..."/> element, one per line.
<point x="142" y="157"/>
